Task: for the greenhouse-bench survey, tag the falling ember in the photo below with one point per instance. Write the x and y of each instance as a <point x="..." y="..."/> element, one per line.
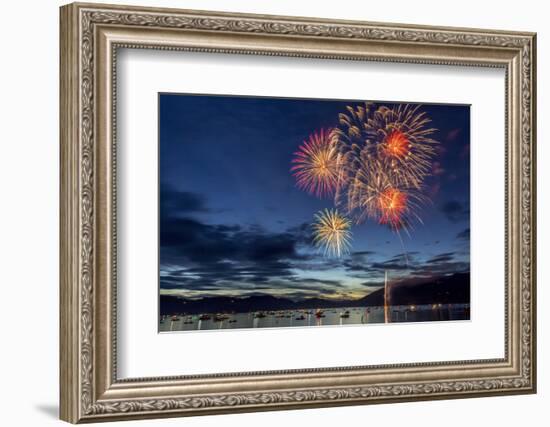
<point x="316" y="164"/>
<point x="332" y="232"/>
<point x="393" y="205"/>
<point x="396" y="144"/>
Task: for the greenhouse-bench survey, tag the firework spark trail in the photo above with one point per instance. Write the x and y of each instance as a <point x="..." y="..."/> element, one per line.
<point x="332" y="232"/>
<point x="405" y="255"/>
<point x="316" y="164"/>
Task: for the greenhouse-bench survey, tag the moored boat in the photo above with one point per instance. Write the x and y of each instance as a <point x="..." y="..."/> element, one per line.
<point x="220" y="317"/>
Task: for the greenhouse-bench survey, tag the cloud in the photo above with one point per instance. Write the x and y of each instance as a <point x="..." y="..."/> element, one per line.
<point x="390" y="265"/>
<point x="174" y="202"/>
<point x="372" y="284"/>
<point x="443" y="264"/>
<point x="408" y="267"/>
<point x="198" y="256"/>
<point x="363" y="253"/>
<point x="303" y="233"/>
<point x="192" y="240"/>
<point x="194" y="282"/>
<point x="464" y="234"/>
<point x="456" y="211"/>
<point x="444" y="257"/>
<point x="325" y="282"/>
<point x="405" y="255"/>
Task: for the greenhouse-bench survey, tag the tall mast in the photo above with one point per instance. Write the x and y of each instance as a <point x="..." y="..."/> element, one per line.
<point x="387" y="318"/>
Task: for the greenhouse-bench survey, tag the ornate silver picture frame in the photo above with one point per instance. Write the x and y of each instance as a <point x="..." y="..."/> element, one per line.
<point x="91" y="35"/>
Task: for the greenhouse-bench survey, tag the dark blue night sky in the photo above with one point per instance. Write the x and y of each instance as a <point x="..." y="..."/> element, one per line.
<point x="233" y="222"/>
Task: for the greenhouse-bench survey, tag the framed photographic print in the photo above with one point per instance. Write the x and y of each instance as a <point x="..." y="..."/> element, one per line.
<point x="259" y="229"/>
<point x="262" y="212"/>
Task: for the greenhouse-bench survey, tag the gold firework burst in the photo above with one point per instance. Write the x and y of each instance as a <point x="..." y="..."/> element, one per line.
<point x="316" y="164"/>
<point x="332" y="232"/>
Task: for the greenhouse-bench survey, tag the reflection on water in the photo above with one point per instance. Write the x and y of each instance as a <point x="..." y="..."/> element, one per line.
<point x="323" y="317"/>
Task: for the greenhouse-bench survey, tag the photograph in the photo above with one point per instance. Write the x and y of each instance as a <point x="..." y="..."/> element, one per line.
<point x="290" y="212"/>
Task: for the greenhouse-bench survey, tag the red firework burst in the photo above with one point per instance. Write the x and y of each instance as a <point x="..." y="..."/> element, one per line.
<point x="393" y="205"/>
<point x="396" y="144"/>
<point x="316" y="164"/>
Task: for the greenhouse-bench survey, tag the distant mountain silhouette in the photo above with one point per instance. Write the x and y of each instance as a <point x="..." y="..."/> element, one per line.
<point x="454" y="289"/>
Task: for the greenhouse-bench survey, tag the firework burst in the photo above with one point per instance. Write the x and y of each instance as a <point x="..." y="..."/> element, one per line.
<point x="393" y="207"/>
<point x="316" y="164"/>
<point x="370" y="191"/>
<point x="332" y="232"/>
<point x="399" y="138"/>
<point x="385" y="154"/>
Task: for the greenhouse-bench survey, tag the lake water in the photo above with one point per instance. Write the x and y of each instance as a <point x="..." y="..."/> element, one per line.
<point x="330" y="317"/>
